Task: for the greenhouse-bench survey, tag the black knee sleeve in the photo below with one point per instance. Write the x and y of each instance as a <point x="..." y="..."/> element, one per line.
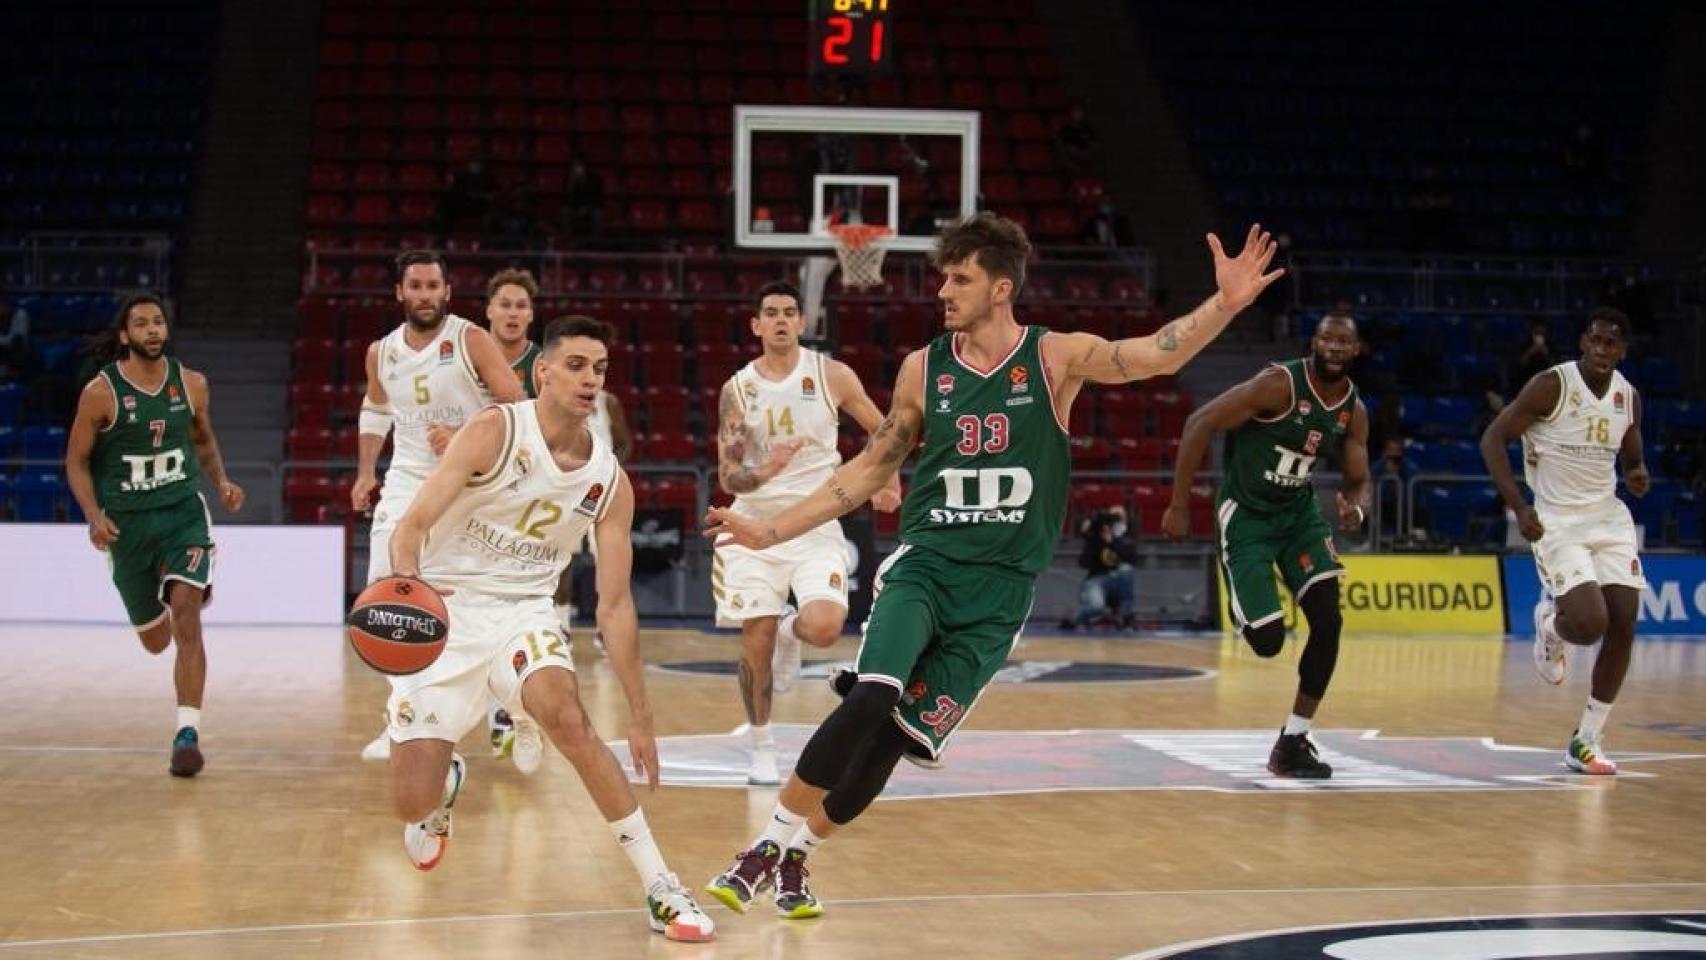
<point x="867" y="777"/>
<point x="1266" y="639"/>
<point x="1315" y="668"/>
<point x="833" y="748"/>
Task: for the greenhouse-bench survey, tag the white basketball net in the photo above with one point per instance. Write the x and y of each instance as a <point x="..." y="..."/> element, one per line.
<point x="860" y="249"/>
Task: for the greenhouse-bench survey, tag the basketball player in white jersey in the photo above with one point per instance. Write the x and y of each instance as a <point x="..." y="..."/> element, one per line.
<point x="780" y="415"/>
<point x="424" y="379"/>
<point x="517" y="489"/>
<point x="1575" y="421"/>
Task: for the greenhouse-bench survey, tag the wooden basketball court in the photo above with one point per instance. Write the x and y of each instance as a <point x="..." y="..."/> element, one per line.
<point x="1123" y="842"/>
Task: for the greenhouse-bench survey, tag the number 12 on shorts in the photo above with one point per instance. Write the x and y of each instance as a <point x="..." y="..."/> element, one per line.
<point x="554" y="643"/>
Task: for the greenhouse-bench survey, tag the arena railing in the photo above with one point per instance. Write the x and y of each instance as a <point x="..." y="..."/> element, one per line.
<point x="75" y="261"/>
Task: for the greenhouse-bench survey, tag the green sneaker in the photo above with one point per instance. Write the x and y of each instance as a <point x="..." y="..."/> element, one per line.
<point x="794" y="898"/>
<point x="754" y="871"/>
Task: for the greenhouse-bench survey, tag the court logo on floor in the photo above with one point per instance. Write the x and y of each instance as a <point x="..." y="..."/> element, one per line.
<point x="1016" y="671"/>
<point x="989" y="762"/>
<point x="1626" y="936"/>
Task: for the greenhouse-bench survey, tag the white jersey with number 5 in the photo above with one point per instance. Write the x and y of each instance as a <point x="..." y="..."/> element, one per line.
<point x="512" y="531"/>
<point x="1570" y="455"/>
<point x="797" y="407"/>
<point x="435" y="384"/>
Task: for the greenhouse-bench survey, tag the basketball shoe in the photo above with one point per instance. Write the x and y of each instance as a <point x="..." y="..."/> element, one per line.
<point x="785" y="658"/>
<point x="794" y="898"/>
<point x="425" y="840"/>
<point x="1294" y="755"/>
<point x="529" y="751"/>
<point x="186" y="753"/>
<point x="672" y="912"/>
<point x="1586" y="756"/>
<point x="1548" y="645"/>
<point x="754" y="871"/>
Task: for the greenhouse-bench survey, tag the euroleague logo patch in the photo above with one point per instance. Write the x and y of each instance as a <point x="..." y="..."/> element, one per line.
<point x="1627" y="936"/>
<point x="1016" y="671"/>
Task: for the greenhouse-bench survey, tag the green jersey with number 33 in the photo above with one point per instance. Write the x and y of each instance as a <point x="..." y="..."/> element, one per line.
<point x="992" y="477"/>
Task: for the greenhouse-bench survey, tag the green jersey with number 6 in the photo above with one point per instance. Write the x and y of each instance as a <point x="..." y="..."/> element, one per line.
<point x="145" y="459"/>
<point x="1269" y="462"/>
<point x="991" y="482"/>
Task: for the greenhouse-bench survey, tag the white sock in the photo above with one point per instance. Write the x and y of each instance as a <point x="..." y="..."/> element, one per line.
<point x="763" y="738"/>
<point x="1295" y="724"/>
<point x="787" y="626"/>
<point x="783" y="823"/>
<point x="1593" y="720"/>
<point x="635" y="839"/>
<point x="188" y="716"/>
<point x="806" y="840"/>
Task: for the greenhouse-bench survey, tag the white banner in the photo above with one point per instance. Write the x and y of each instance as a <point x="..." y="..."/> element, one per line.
<point x="261" y="574"/>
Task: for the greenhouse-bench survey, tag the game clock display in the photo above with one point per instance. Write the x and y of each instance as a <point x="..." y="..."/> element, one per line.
<point x="850" y="37"/>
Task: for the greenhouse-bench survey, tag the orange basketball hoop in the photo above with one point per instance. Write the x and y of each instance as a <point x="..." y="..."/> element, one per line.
<point x="860" y="248"/>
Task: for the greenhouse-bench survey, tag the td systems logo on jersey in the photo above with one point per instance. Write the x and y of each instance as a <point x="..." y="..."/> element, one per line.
<point x="1624" y="936"/>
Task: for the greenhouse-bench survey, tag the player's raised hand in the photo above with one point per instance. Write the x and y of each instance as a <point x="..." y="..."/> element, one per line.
<point x="231" y="496"/>
<point x="726" y="527"/>
<point x="1350" y="514"/>
<point x="643" y="747"/>
<point x="361" y="492"/>
<point x="1241" y="279"/>
<point x="1638" y="480"/>
<point x="1176" y="520"/>
<point x="1528" y="521"/>
<point x="102" y="530"/>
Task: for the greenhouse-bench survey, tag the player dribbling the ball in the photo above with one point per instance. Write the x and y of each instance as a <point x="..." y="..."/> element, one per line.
<point x="516" y="490"/>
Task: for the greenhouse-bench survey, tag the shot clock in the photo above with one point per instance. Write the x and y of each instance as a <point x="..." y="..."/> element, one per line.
<point x="850" y="38"/>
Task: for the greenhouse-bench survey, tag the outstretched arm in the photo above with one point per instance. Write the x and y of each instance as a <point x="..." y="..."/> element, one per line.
<point x="1240" y="280"/>
<point x="851" y="485"/>
<point x="851" y="396"/>
<point x="1537" y="401"/>
<point x="1266" y="394"/>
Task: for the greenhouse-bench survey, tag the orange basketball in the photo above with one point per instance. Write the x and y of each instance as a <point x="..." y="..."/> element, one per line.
<point x="398" y="625"/>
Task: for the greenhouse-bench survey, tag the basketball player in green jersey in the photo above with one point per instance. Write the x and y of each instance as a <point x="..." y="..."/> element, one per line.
<point x="989" y="399"/>
<point x="1278" y="424"/>
<point x="509" y="312"/>
<point x="139" y="445"/>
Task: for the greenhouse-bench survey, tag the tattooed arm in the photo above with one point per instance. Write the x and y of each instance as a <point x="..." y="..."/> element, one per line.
<point x="733" y="472"/>
<point x="1240" y="279"/>
<point x="852" y="484"/>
